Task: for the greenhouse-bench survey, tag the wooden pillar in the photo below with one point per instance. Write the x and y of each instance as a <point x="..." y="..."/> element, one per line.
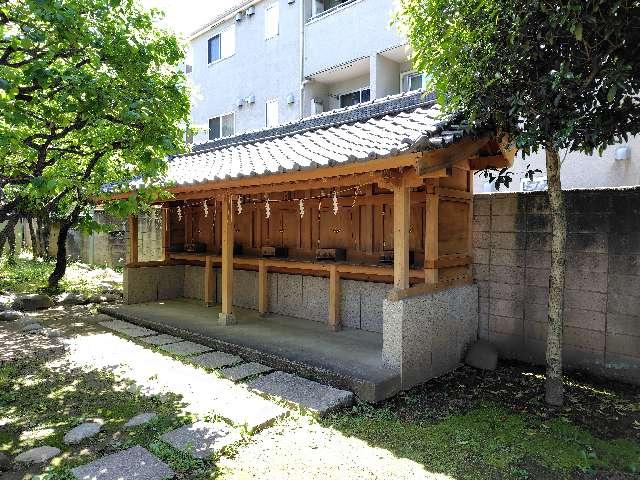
<point x="166" y="234"/>
<point x="401" y="224"/>
<point x="431" y="232"/>
<point x="133" y="239"/>
<point x="209" y="282"/>
<point x="263" y="287"/>
<point x="334" y="322"/>
<point x="226" y="313"/>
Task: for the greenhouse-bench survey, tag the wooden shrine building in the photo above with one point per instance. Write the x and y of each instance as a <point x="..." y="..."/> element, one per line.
<point x="357" y="218"/>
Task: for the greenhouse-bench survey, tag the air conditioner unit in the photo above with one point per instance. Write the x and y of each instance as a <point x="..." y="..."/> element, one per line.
<point x="238" y="16"/>
<point x="250" y="99"/>
<point x="250" y="11"/>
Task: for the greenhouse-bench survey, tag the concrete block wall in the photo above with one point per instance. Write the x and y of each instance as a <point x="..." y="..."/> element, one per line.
<point x="427" y="336"/>
<point x="602" y="294"/>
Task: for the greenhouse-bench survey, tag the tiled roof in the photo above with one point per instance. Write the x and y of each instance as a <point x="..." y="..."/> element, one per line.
<point x="380" y="128"/>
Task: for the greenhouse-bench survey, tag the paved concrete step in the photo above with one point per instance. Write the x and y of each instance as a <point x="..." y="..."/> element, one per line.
<point x="184" y="348"/>
<point x="135" y="462"/>
<point x="216" y="360"/>
<point x="314" y="396"/>
<point x="162" y="339"/>
<point x="244" y="370"/>
<point x="202" y="439"/>
<point x="128" y="329"/>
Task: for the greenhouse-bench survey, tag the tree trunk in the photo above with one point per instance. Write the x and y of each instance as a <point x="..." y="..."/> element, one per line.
<point x="61" y="256"/>
<point x="554" y="389"/>
<point x="5" y="234"/>
<point x="34" y="239"/>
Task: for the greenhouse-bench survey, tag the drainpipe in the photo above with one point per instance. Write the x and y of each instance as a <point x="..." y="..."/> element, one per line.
<point x="301" y="59"/>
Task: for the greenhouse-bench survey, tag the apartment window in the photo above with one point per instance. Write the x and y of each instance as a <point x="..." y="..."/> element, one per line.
<point x="272" y="113"/>
<point x="222" y="126"/>
<point x="412" y="81"/>
<point x="354" y="98"/>
<point x="321" y="6"/>
<point x="271" y="20"/>
<point x="222" y="45"/>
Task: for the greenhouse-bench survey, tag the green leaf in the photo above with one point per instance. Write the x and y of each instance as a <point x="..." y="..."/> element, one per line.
<point x="611" y="94"/>
<point x="577" y="31"/>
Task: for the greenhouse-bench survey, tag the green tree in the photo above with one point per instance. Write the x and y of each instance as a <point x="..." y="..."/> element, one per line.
<point x="90" y="94"/>
<point x="556" y="75"/>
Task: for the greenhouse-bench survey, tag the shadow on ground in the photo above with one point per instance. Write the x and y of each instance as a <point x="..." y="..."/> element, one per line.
<point x="480" y="425"/>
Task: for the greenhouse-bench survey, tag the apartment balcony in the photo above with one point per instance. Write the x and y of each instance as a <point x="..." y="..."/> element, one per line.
<point x="347" y="31"/>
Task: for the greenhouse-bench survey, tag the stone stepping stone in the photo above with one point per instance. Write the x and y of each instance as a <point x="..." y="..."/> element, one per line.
<point x="37" y="455"/>
<point x="244" y="370"/>
<point x="162" y="339"/>
<point x="135" y="463"/>
<point x="128" y="329"/>
<point x="202" y="439"/>
<point x="184" y="348"/>
<point x="311" y="395"/>
<point x="215" y="360"/>
<point x="140" y="419"/>
<point x="82" y="432"/>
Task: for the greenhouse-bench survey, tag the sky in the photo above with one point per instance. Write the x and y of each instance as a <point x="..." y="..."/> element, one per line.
<point x="185" y="16"/>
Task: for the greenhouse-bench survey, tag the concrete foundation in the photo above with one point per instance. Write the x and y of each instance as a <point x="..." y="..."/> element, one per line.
<point x="426" y="336"/>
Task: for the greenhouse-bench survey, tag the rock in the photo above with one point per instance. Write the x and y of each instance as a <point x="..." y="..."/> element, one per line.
<point x="5" y="462"/>
<point x="52" y="332"/>
<point x="134" y="463"/>
<point x="32" y="328"/>
<point x="32" y="301"/>
<point x="82" y="432"/>
<point x="140" y="419"/>
<point x="26" y="320"/>
<point x="482" y="355"/>
<point x="95" y="298"/>
<point x="202" y="439"/>
<point x="71" y="299"/>
<point x="37" y="455"/>
<point x="10" y="315"/>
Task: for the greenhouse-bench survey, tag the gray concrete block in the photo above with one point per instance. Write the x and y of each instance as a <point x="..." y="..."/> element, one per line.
<point x="194" y="282"/>
<point x="505" y="204"/>
<point x="245" y="289"/>
<point x="140" y="285"/>
<point x="315" y="299"/>
<point x="538" y="241"/>
<point x="482" y="205"/>
<point x="587" y="242"/>
<point x="244" y="370"/>
<point x="371" y="298"/>
<point x="506" y="291"/>
<point x="481" y="272"/>
<point x="588" y="222"/>
<point x="350" y="291"/>
<point x="481" y="223"/>
<point x="537" y="203"/>
<point x="536" y="222"/>
<point x="128" y="329"/>
<point x="215" y="360"/>
<point x="537" y="277"/>
<point x="481" y="239"/>
<point x="508" y="240"/>
<point x="585" y="300"/>
<point x="184" y="348"/>
<point x="307" y="393"/>
<point x="506" y="325"/>
<point x="578" y="317"/>
<point x="618" y="323"/>
<point x="587" y="280"/>
<point x="170" y="282"/>
<point x="620" y="344"/>
<point x="536" y="295"/>
<point x="538" y="258"/>
<point x="583" y="338"/>
<point x="507" y="223"/>
<point x="506" y="274"/>
<point x="202" y="439"/>
<point x="624" y="243"/>
<point x="513" y="258"/>
<point x="624" y="264"/>
<point x="272" y="279"/>
<point x="534" y="330"/>
<point x="506" y="308"/>
<point x="628" y="285"/>
<point x="482" y="355"/>
<point x="481" y="256"/>
<point x="162" y="339"/>
<point x="535" y="312"/>
<point x="508" y="346"/>
<point x="136" y="462"/>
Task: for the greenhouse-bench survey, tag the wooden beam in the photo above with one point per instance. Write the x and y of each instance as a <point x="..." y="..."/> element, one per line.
<point x="166" y="234"/>
<point x="209" y="282"/>
<point x="263" y="287"/>
<point x="491" y="161"/>
<point x="133" y="239"/>
<point x="440" y="158"/>
<point x="401" y="224"/>
<point x="335" y="322"/>
<point x="432" y="202"/>
<point x="226" y="313"/>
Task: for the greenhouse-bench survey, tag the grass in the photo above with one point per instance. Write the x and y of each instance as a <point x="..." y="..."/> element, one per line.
<point x="29" y="275"/>
<point x="38" y="405"/>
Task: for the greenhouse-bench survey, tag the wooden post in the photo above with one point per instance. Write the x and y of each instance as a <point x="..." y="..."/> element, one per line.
<point x="334" y="323"/>
<point x="263" y="288"/>
<point x="401" y="224"/>
<point x="209" y="282"/>
<point x="431" y="232"/>
<point x="226" y="314"/>
<point x="166" y="234"/>
<point x="133" y="239"/>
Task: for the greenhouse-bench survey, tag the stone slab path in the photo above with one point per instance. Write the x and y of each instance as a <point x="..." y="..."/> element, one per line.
<point x="128" y="329"/>
<point x="202" y="439"/>
<point x="162" y="339"/>
<point x="140" y="419"/>
<point x="242" y="371"/>
<point x="312" y="395"/>
<point x="135" y="463"/>
<point x="38" y="455"/>
<point x="184" y="348"/>
<point x="82" y="432"/>
<point x="216" y="360"/>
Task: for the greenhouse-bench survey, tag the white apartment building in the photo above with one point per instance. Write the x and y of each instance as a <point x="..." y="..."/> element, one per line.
<point x="266" y="63"/>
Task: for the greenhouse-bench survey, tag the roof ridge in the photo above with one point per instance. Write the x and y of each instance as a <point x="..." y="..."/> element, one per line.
<point x="285" y="130"/>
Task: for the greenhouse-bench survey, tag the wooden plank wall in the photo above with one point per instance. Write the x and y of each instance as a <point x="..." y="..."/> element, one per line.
<point x="364" y="229"/>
